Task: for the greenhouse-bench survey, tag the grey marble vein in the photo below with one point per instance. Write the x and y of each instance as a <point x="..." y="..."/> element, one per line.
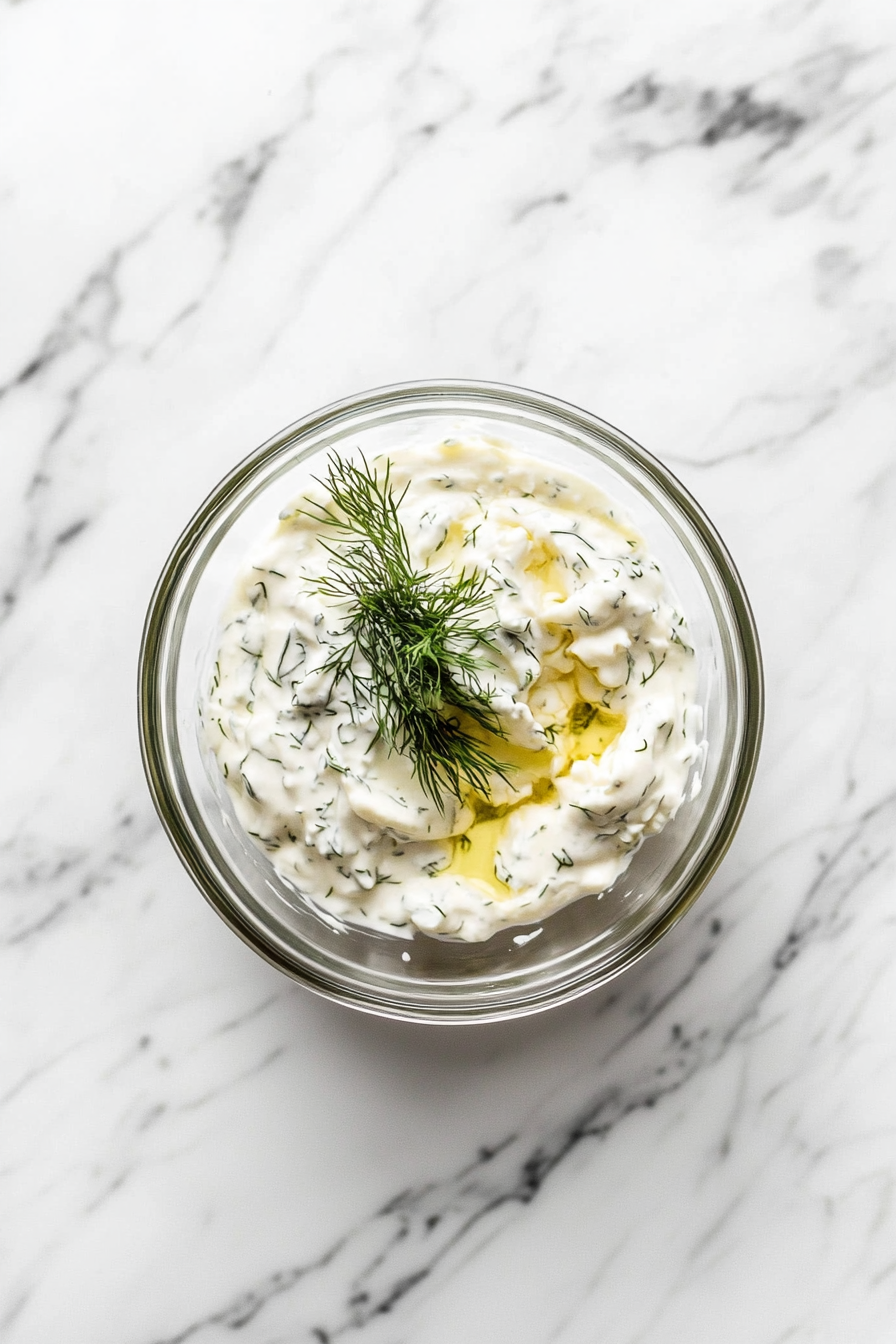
<point x="42" y="883"/>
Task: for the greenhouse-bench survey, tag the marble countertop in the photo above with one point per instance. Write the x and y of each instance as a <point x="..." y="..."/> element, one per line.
<point x="216" y="217"/>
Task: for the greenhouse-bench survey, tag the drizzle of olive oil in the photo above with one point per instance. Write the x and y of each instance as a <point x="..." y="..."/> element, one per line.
<point x="457" y="533"/>
<point x="546" y="567"/>
<point x="475" y="855"/>
<point x="588" y="731"/>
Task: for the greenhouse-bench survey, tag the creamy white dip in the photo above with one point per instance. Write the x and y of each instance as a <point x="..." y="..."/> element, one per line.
<point x="593" y="678"/>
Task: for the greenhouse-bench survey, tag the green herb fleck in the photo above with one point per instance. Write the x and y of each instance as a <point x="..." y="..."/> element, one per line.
<point x="654" y="669"/>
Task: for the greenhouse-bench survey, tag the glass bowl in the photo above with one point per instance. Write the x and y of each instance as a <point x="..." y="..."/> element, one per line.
<point x="520" y="970"/>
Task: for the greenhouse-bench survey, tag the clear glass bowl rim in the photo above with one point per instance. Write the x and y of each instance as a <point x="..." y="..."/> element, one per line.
<point x="152" y="701"/>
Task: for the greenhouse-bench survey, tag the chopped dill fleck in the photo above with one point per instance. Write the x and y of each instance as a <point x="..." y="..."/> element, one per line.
<point x="562" y="532"/>
<point x="654" y="669"/>
<point x="334" y="765"/>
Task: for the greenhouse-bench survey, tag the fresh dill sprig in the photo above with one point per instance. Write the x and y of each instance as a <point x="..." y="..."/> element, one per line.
<point x="413" y="639"/>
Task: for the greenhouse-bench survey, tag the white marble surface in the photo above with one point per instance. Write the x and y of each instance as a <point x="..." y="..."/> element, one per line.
<point x="217" y="216"/>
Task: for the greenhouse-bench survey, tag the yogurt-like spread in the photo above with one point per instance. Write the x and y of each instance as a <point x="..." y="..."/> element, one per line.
<point x="590" y="672"/>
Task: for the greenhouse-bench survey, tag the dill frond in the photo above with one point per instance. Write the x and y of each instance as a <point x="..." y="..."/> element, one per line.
<point x="413" y="640"/>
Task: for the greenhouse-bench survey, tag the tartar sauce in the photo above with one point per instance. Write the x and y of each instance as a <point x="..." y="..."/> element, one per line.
<point x="592" y="676"/>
